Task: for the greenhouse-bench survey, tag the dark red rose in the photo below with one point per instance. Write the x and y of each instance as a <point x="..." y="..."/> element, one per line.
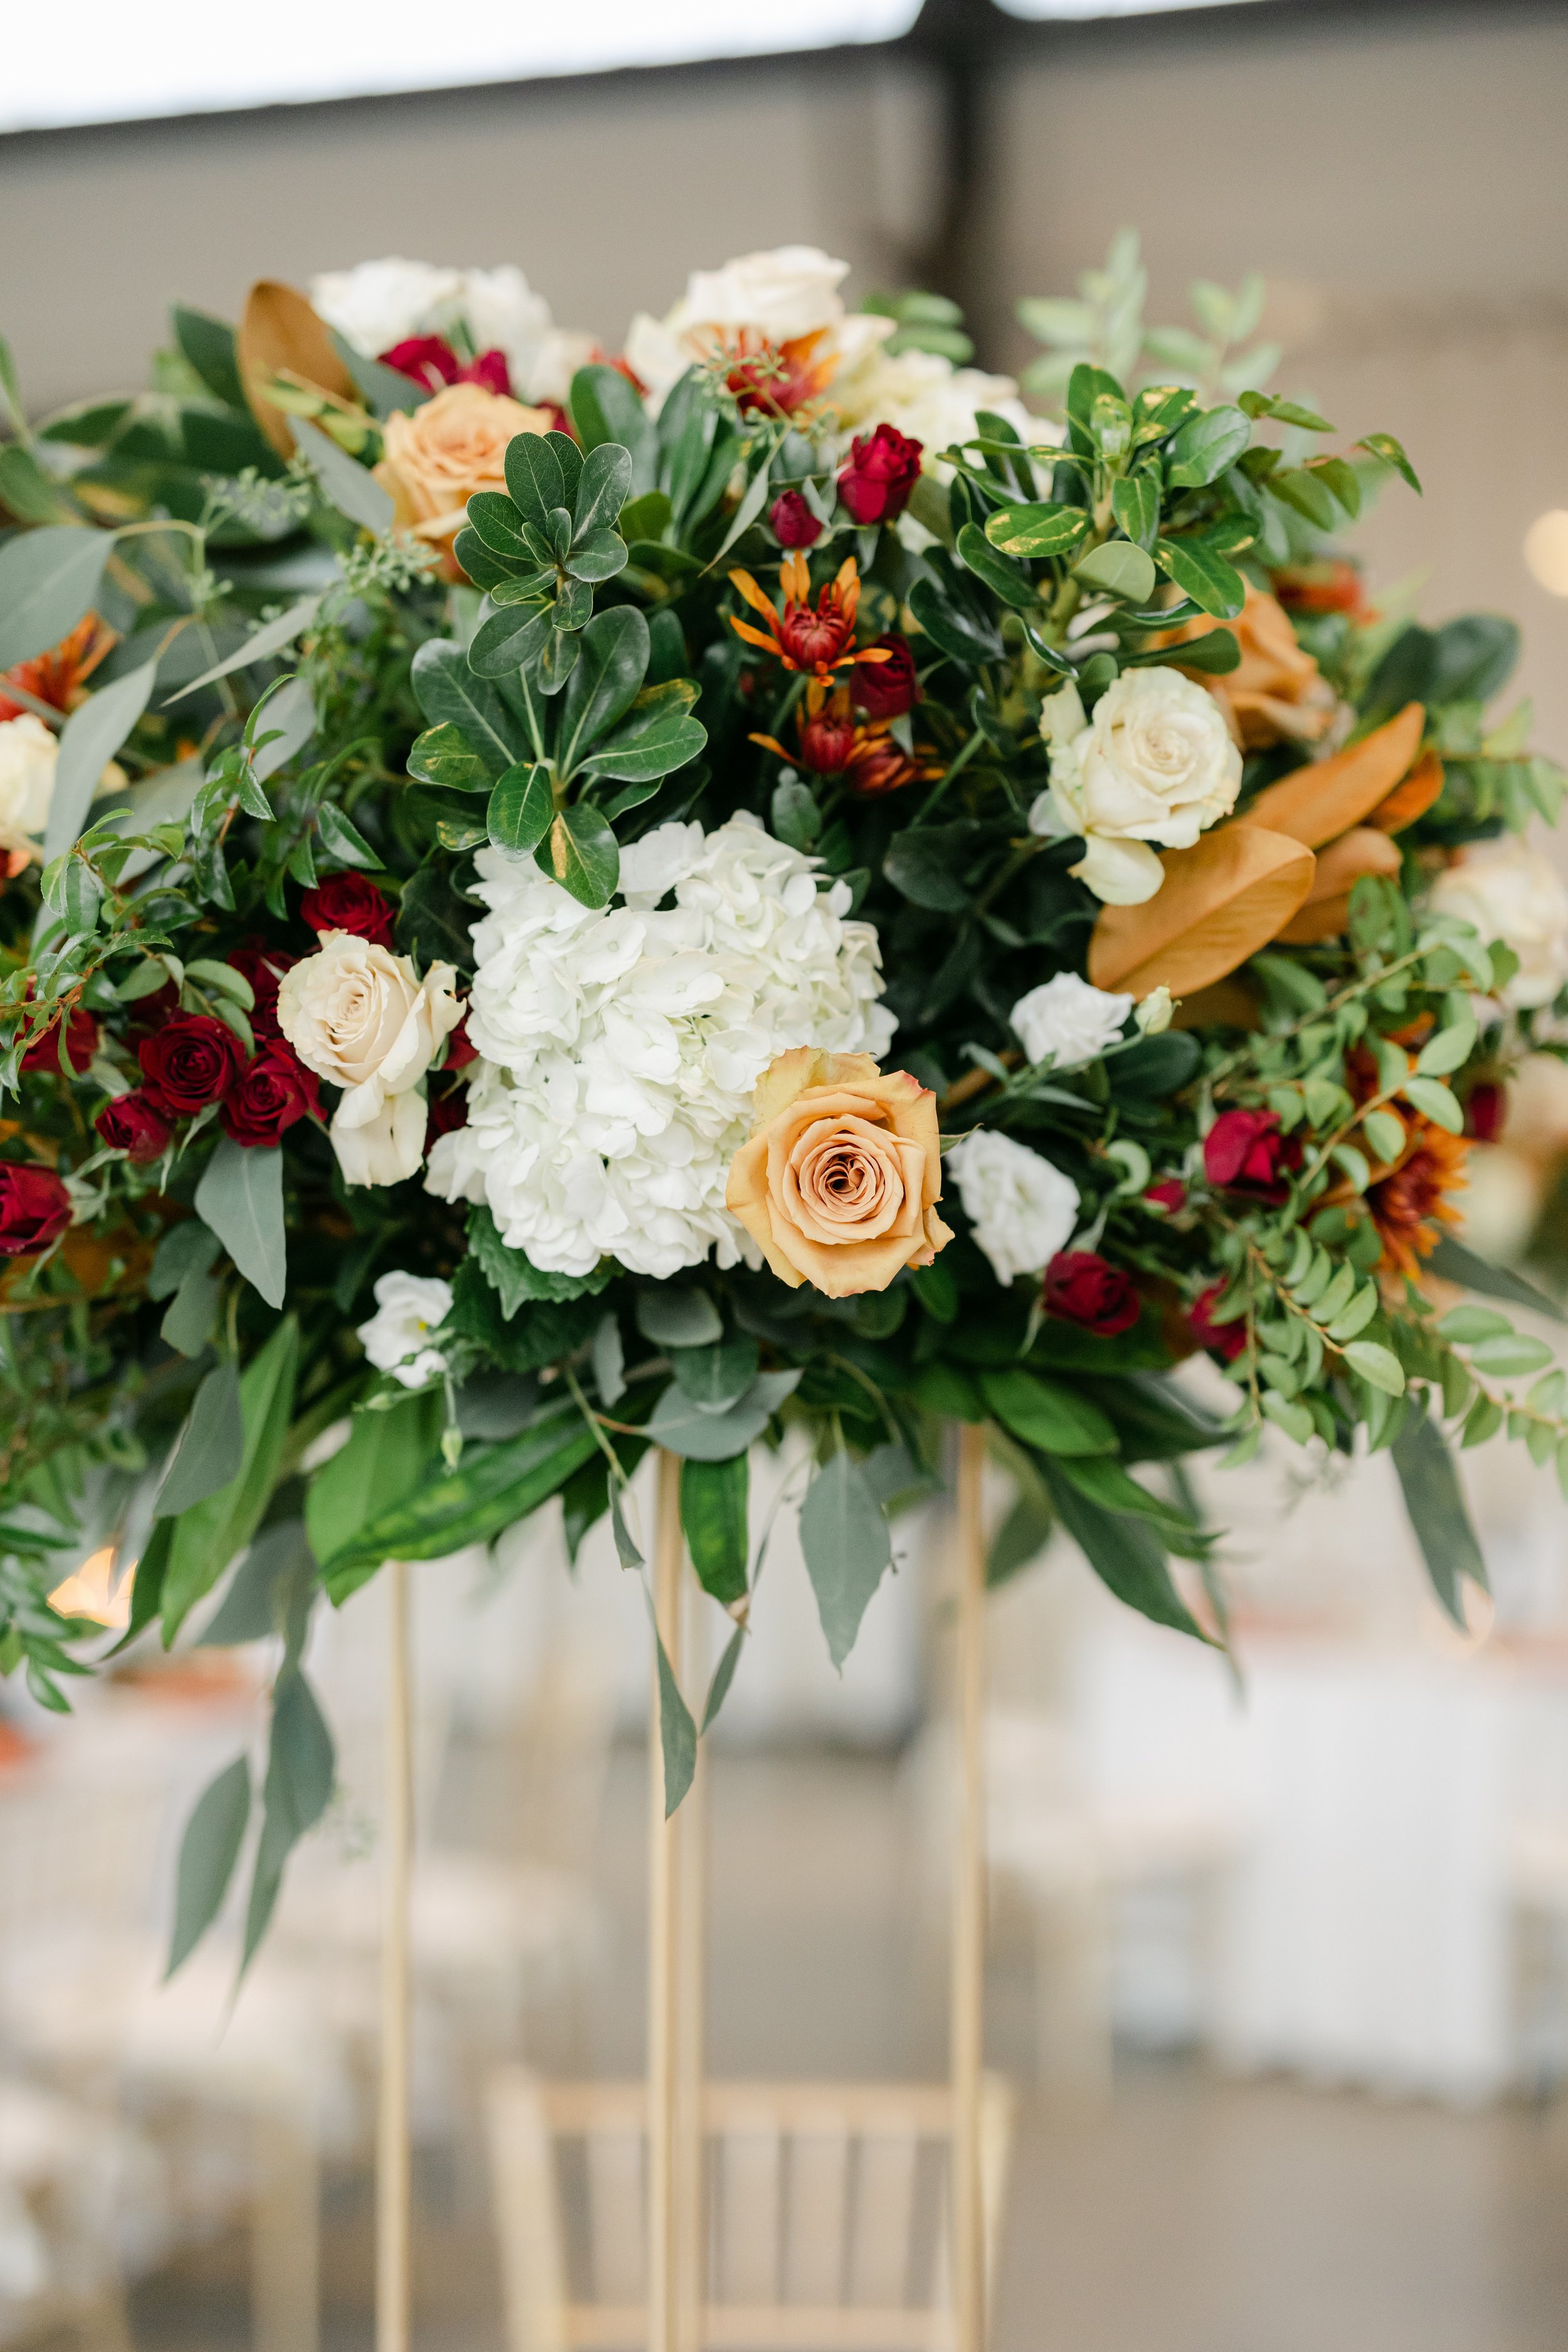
<point x="793" y="523"/>
<point x="133" y="1124"/>
<point x="35" y="1208"/>
<point x="347" y="902"/>
<point x="189" y="1062"/>
<point x="461" y="1047"/>
<point x="882" y="469"/>
<point x="1226" y="1340"/>
<point x="1083" y="1288"/>
<point x="886" y="689"/>
<point x="1170" y="1194"/>
<point x="269" y="1095"/>
<point x="1244" y="1151"/>
<point x="81" y="1044"/>
<point x="447" y="1108"/>
<point x="430" y="360"/>
<point x="264" y="968"/>
<point x="1486" y="1110"/>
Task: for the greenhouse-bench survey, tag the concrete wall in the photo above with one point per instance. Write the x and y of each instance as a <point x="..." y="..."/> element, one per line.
<point x="1399" y="179"/>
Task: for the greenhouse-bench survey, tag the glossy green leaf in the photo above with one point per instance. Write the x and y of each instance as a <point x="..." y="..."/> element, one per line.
<point x="207" y="344"/>
<point x="605" y="683"/>
<point x="657" y="736"/>
<point x="580" y="852"/>
<point x="606" y="408"/>
<point x="1201" y="449"/>
<point x="449" y="694"/>
<point x="442" y="756"/>
<point x="1046" y="1414"/>
<point x="534" y="477"/>
<point x="1124" y="1552"/>
<point x="522" y="806"/>
<point x="1135" y="502"/>
<point x="714" y="1497"/>
<point x="603" y="489"/>
<point x="1037" y="530"/>
<point x="388" y="1455"/>
<point x="1003" y="577"/>
<point x="491" y="1487"/>
<point x="1204" y="574"/>
<point x="1118" y="569"/>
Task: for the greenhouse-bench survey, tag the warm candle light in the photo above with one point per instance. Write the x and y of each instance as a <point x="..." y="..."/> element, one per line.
<point x="1546" y="550"/>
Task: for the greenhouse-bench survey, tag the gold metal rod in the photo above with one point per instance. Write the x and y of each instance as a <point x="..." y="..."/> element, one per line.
<point x="393" y="2275"/>
<point x="664" y="1943"/>
<point x="969" y="1901"/>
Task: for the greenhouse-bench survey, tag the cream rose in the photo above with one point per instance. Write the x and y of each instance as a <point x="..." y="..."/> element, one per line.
<point x="838" y="1183"/>
<point x="357" y="1014"/>
<point x="437" y="456"/>
<point x="1512" y="893"/>
<point x="1155" y="764"/>
<point x="27" y="756"/>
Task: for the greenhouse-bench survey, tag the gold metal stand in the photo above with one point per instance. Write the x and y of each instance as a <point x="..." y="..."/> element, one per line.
<point x="393" y="2170"/>
<point x="969" y="1901"/>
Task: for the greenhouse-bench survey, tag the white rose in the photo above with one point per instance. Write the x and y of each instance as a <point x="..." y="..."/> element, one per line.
<point x="776" y="297"/>
<point x="357" y="1014"/>
<point x="409" y="1307"/>
<point x="1068" y="1022"/>
<point x="1511" y="892"/>
<point x="1022" y="1208"/>
<point x="27" y="756"/>
<point x="1156" y="764"/>
<point x="379" y="303"/>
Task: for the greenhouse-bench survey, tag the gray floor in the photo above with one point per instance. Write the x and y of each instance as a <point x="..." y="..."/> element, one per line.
<point x="1192" y="2216"/>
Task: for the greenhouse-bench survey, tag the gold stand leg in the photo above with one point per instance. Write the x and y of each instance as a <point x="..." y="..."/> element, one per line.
<point x="969" y="1904"/>
<point x="393" y="2171"/>
<point x="665" y="1940"/>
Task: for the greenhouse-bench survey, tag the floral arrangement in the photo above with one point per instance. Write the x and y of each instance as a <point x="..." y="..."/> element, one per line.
<point x="561" y="903"/>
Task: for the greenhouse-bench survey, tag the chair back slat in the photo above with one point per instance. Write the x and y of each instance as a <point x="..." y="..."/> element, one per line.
<point x="829" y="2212"/>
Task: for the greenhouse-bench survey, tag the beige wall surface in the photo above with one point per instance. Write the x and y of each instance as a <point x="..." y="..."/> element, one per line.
<point x="1400" y="181"/>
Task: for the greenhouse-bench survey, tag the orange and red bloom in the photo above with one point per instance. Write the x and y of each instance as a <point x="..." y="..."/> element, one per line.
<point x="1411" y="1205"/>
<point x="831" y="742"/>
<point x="58" y="677"/>
<point x="814" y="638"/>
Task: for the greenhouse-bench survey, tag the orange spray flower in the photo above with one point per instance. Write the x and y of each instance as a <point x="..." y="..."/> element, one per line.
<point x="833" y="743"/>
<point x="817" y="639"/>
<point x="772" y="379"/>
<point x="57" y="678"/>
<point x="1411" y="1205"/>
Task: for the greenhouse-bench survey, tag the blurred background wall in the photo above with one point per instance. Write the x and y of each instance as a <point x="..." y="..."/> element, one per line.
<point x="1394" y="171"/>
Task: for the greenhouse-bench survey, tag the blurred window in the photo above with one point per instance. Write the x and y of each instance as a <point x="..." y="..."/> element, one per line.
<point x="1039" y="11"/>
<point x="101" y="61"/>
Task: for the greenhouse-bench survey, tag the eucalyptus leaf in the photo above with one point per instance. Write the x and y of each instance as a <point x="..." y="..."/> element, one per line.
<point x="1438" y="1514"/>
<point x="208" y="1851"/>
<point x="211" y="1444"/>
<point x="48" y="579"/>
<point x="352" y="488"/>
<point x="262" y="644"/>
<point x="240" y="1196"/>
<point x="713" y="1499"/>
<point x="848" y="1549"/>
<point x="89" y="741"/>
<point x="684" y="1428"/>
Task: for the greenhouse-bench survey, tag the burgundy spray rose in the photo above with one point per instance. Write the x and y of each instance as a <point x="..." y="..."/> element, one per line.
<point x="430" y="360"/>
<point x="1170" y="1194"/>
<point x="794" y="524"/>
<point x="447" y="1107"/>
<point x="81" y="1043"/>
<point x="264" y="968"/>
<point x="1244" y="1151"/>
<point x="1082" y="1288"/>
<point x="1486" y="1110"/>
<point x="35" y="1208"/>
<point x="348" y="902"/>
<point x="881" y="471"/>
<point x="133" y="1124"/>
<point x="189" y="1062"/>
<point x="269" y="1095"/>
<point x="461" y="1047"/>
<point x="1226" y="1340"/>
<point x="886" y="689"/>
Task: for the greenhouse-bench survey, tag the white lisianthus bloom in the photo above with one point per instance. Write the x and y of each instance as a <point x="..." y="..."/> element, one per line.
<point x="1023" y="1209"/>
<point x="1153" y="1012"/>
<point x="1154" y="765"/>
<point x="379" y="303"/>
<point x="776" y="297"/>
<point x="27" y="756"/>
<point x="1068" y="1022"/>
<point x="359" y="1015"/>
<point x="621" y="1044"/>
<point x="1509" y="891"/>
<point x="409" y="1307"/>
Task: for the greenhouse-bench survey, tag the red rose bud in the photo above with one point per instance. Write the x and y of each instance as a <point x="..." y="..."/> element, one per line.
<point x="1083" y="1288"/>
<point x="264" y="968"/>
<point x="1226" y="1340"/>
<point x="490" y="370"/>
<point x="886" y="689"/>
<point x="35" y="1208"/>
<point x="81" y="1043"/>
<point x="1170" y="1194"/>
<point x="1244" y="1151"/>
<point x="794" y="524"/>
<point x="447" y="1108"/>
<point x="189" y="1062"/>
<point x="882" y="470"/>
<point x="269" y="1095"/>
<point x="430" y="360"/>
<point x="1486" y="1110"/>
<point x="461" y="1047"/>
<point x="133" y="1124"/>
<point x="348" y="902"/>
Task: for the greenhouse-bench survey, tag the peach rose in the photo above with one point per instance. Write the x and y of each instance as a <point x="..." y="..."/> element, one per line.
<point x="1277" y="693"/>
<point x="437" y="455"/>
<point x="838" y="1182"/>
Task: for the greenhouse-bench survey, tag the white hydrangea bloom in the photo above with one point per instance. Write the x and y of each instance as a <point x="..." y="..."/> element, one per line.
<point x="1068" y="1020"/>
<point x="621" y="1044"/>
<point x="1021" y="1207"/>
<point x="409" y="1307"/>
<point x="379" y="303"/>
